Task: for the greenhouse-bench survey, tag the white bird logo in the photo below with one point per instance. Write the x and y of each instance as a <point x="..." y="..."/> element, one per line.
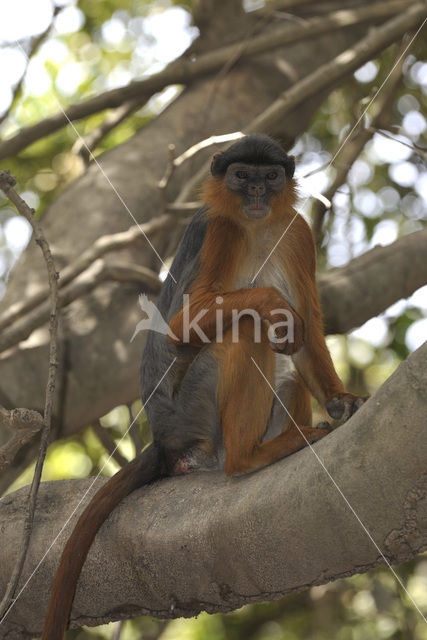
<point x="154" y="321"/>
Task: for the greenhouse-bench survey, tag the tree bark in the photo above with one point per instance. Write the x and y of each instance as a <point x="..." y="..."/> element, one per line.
<point x="212" y="543"/>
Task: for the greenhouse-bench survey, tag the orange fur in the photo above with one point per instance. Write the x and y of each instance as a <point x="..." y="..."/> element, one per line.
<point x="227" y="255"/>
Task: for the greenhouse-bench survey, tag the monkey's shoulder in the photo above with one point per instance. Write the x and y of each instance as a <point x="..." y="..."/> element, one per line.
<point x="298" y="244"/>
<point x="185" y="263"/>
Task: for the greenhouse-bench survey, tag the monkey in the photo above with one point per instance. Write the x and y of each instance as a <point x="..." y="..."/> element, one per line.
<point x="247" y="259"/>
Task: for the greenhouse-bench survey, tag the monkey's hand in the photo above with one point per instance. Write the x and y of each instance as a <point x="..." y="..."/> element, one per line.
<point x="344" y="405"/>
<point x="286" y="337"/>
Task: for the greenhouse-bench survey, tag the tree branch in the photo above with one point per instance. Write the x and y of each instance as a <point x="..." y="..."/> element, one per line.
<point x="324" y="77"/>
<point x="346" y="62"/>
<point x="85" y="146"/>
<point x="135" y="235"/>
<point x="98" y="272"/>
<point x="7" y="182"/>
<point x="184" y="70"/>
<point x="372" y="282"/>
<point x="33" y="47"/>
<point x="356" y="143"/>
<point x="108" y="443"/>
<point x="242" y="554"/>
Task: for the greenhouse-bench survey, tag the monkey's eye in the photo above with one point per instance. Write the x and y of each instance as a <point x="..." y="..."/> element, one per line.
<point x="242" y="175"/>
<point x="272" y="175"/>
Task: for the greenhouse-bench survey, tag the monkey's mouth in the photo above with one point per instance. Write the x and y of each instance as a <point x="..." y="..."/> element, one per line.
<point x="256" y="210"/>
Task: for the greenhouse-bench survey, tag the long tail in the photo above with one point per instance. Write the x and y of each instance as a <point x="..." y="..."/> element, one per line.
<point x="142" y="470"/>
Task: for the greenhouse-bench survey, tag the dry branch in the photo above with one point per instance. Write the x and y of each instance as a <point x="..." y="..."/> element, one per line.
<point x="249" y="551"/>
<point x="184" y="70"/>
<point x="7" y="182"/>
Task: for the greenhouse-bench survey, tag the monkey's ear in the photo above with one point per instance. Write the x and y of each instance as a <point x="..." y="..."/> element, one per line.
<point x="216" y="164"/>
<point x="290" y="166"/>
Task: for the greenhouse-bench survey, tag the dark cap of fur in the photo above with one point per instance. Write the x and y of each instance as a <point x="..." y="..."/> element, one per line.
<point x="256" y="148"/>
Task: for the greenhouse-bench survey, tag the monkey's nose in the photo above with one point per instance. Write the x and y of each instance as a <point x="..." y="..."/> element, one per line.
<point x="256" y="190"/>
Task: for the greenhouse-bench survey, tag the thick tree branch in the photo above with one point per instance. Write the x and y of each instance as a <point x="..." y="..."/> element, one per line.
<point x="185" y="70"/>
<point x="372" y="282"/>
<point x="284" y="528"/>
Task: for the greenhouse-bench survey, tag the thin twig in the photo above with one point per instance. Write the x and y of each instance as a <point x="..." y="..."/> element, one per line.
<point x="184" y="69"/>
<point x="7" y="182"/>
<point x="34" y="45"/>
<point x="84" y="146"/>
<point x="416" y="148"/>
<point x="174" y="163"/>
<point x="163" y="183"/>
<point x="109" y="444"/>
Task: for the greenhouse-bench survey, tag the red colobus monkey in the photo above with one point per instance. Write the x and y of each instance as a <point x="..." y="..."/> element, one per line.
<point x="222" y="402"/>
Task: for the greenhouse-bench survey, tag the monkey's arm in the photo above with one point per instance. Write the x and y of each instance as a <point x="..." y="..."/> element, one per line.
<point x="313" y="361"/>
<point x="211" y="291"/>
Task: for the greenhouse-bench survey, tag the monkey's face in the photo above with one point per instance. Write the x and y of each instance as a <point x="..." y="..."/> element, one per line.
<point x="256" y="184"/>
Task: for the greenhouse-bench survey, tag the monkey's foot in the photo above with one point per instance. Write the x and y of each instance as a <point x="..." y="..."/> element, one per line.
<point x="344" y="405"/>
<point x="323" y="425"/>
<point x="313" y="434"/>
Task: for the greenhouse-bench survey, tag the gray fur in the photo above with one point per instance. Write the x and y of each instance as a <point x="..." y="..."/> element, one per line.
<point x="187" y="395"/>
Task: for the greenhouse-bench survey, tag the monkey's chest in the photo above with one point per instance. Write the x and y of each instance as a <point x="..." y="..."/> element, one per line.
<point x="264" y="268"/>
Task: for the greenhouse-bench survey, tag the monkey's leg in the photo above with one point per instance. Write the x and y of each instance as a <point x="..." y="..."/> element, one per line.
<point x="291" y="404"/>
<point x="184" y="417"/>
<point x="245" y="401"/>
